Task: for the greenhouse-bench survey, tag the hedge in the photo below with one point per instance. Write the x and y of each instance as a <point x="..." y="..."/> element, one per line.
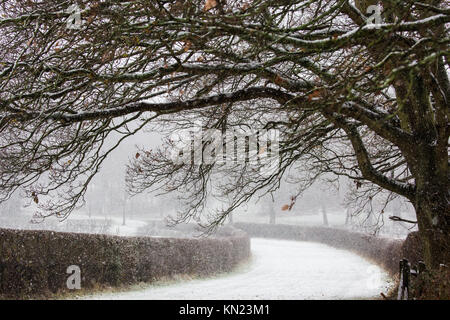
<point x="34" y="263"/>
<point x="382" y="251"/>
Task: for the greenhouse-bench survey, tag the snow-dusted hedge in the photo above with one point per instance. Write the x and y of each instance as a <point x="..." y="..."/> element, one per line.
<point x="35" y="262"/>
<point x="383" y="251"/>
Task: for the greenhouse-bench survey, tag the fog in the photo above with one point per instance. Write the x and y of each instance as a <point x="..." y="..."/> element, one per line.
<point x="109" y="208"/>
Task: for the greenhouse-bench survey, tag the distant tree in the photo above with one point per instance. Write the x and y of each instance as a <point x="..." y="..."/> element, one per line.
<point x="348" y="217"/>
<point x="323" y="210"/>
<point x="369" y="102"/>
<point x="269" y="208"/>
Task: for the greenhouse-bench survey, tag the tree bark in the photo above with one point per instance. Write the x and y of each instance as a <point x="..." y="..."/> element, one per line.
<point x="432" y="207"/>
<point x="433" y="218"/>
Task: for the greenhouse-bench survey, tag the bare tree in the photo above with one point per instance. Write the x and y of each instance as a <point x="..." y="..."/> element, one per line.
<point x="323" y="210"/>
<point x="365" y="101"/>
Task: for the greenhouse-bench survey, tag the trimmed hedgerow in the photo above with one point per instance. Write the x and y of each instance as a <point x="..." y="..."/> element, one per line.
<point x="34" y="263"/>
<point x="412" y="248"/>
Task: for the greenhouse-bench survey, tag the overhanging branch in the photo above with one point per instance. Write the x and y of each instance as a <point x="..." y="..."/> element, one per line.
<point x="159" y="108"/>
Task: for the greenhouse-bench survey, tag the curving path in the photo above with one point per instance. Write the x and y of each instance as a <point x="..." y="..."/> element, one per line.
<point x="279" y="269"/>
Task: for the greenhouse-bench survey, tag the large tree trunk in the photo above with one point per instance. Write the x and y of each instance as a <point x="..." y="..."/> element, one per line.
<point x="433" y="220"/>
<point x="432" y="207"/>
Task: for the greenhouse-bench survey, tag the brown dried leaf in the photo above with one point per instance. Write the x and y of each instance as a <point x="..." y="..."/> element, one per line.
<point x="210" y="4"/>
<point x="91" y="19"/>
<point x="313" y="95"/>
<point x="279" y="81"/>
<point x="262" y="150"/>
<point x="245" y="6"/>
<point x="187" y="46"/>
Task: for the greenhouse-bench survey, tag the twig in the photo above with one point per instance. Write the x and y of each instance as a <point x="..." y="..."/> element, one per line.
<point x="395" y="218"/>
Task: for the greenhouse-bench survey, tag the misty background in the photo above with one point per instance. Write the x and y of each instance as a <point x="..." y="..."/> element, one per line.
<point x="110" y="209"/>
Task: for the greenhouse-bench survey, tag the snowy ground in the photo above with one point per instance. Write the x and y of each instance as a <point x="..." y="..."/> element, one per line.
<point x="78" y="223"/>
<point x="334" y="218"/>
<point x="279" y="270"/>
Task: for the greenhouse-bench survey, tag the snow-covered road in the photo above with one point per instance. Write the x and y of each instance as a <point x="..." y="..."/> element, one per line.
<point x="279" y="270"/>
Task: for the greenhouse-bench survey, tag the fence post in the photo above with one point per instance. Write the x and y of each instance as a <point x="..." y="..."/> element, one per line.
<point x="403" y="288"/>
<point x="406" y="278"/>
<point x="400" y="285"/>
